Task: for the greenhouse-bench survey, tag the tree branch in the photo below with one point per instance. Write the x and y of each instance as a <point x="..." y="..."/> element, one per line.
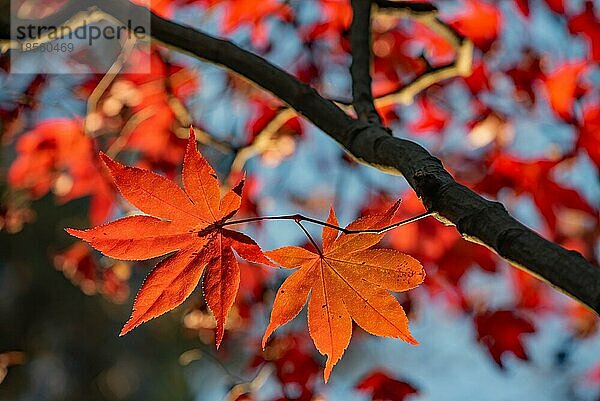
<point x="360" y="69"/>
<point x="461" y="66"/>
<point x="409" y="6"/>
<point x="476" y="218"/>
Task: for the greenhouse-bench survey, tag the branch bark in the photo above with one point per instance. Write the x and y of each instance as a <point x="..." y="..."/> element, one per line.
<point x="360" y="69"/>
<point x="410" y="6"/>
<point x="477" y="219"/>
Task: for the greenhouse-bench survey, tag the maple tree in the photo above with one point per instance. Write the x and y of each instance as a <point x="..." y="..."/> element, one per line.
<point x="489" y="110"/>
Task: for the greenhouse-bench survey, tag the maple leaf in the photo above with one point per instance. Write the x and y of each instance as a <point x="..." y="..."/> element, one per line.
<point x="334" y="17"/>
<point x="392" y="60"/>
<point x="294" y="364"/>
<point x="383" y="387"/>
<point x="588" y="138"/>
<point x="433" y="118"/>
<point x="346" y="281"/>
<point x="588" y="25"/>
<point x="252" y="13"/>
<point x="534" y="178"/>
<point x="479" y="80"/>
<point x="437" y="48"/>
<point x="523" y="6"/>
<point x="564" y="87"/>
<point x="501" y="331"/>
<point x="57" y="156"/>
<point x="525" y="74"/>
<point x="187" y="221"/>
<point x="479" y="21"/>
<point x="558" y="6"/>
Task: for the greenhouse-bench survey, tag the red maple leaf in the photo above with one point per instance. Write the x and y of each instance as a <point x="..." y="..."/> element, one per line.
<point x="479" y="80"/>
<point x="525" y="74"/>
<point x="523" y="6"/>
<point x="588" y="25"/>
<point x="250" y="12"/>
<point x="57" y="156"/>
<point x="382" y="387"/>
<point x="563" y="87"/>
<point x="295" y="366"/>
<point x="558" y="6"/>
<point x="501" y="331"/>
<point x="438" y="49"/>
<point x="393" y="62"/>
<point x="188" y="222"/>
<point x="479" y="21"/>
<point x="334" y="19"/>
<point x="534" y="178"/>
<point x="433" y="118"/>
<point x="588" y="138"/>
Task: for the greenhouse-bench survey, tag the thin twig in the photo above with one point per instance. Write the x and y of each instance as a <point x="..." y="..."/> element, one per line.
<point x="460" y="66"/>
<point x="107" y="80"/>
<point x="262" y="140"/>
<point x="299" y="218"/>
<point x="132" y="123"/>
<point x="194" y="354"/>
<point x="310" y="238"/>
<point x="185" y="120"/>
<point x="251" y="386"/>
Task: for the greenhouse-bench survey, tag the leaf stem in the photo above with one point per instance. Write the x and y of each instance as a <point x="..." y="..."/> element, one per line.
<point x="311" y="239"/>
<point x="299" y="218"/>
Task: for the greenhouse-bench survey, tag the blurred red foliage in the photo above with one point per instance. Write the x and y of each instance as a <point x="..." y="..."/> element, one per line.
<point x="382" y="387"/>
<point x="501" y="331"/>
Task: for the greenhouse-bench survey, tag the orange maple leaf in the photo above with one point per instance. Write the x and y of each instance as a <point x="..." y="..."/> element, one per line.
<point x="564" y="87"/>
<point x="187" y="221"/>
<point x="346" y="281"/>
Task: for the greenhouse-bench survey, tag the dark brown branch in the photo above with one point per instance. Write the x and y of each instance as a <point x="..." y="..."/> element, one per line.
<point x="413" y="7"/>
<point x="476" y="218"/>
<point x="461" y="66"/>
<point x="360" y="69"/>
